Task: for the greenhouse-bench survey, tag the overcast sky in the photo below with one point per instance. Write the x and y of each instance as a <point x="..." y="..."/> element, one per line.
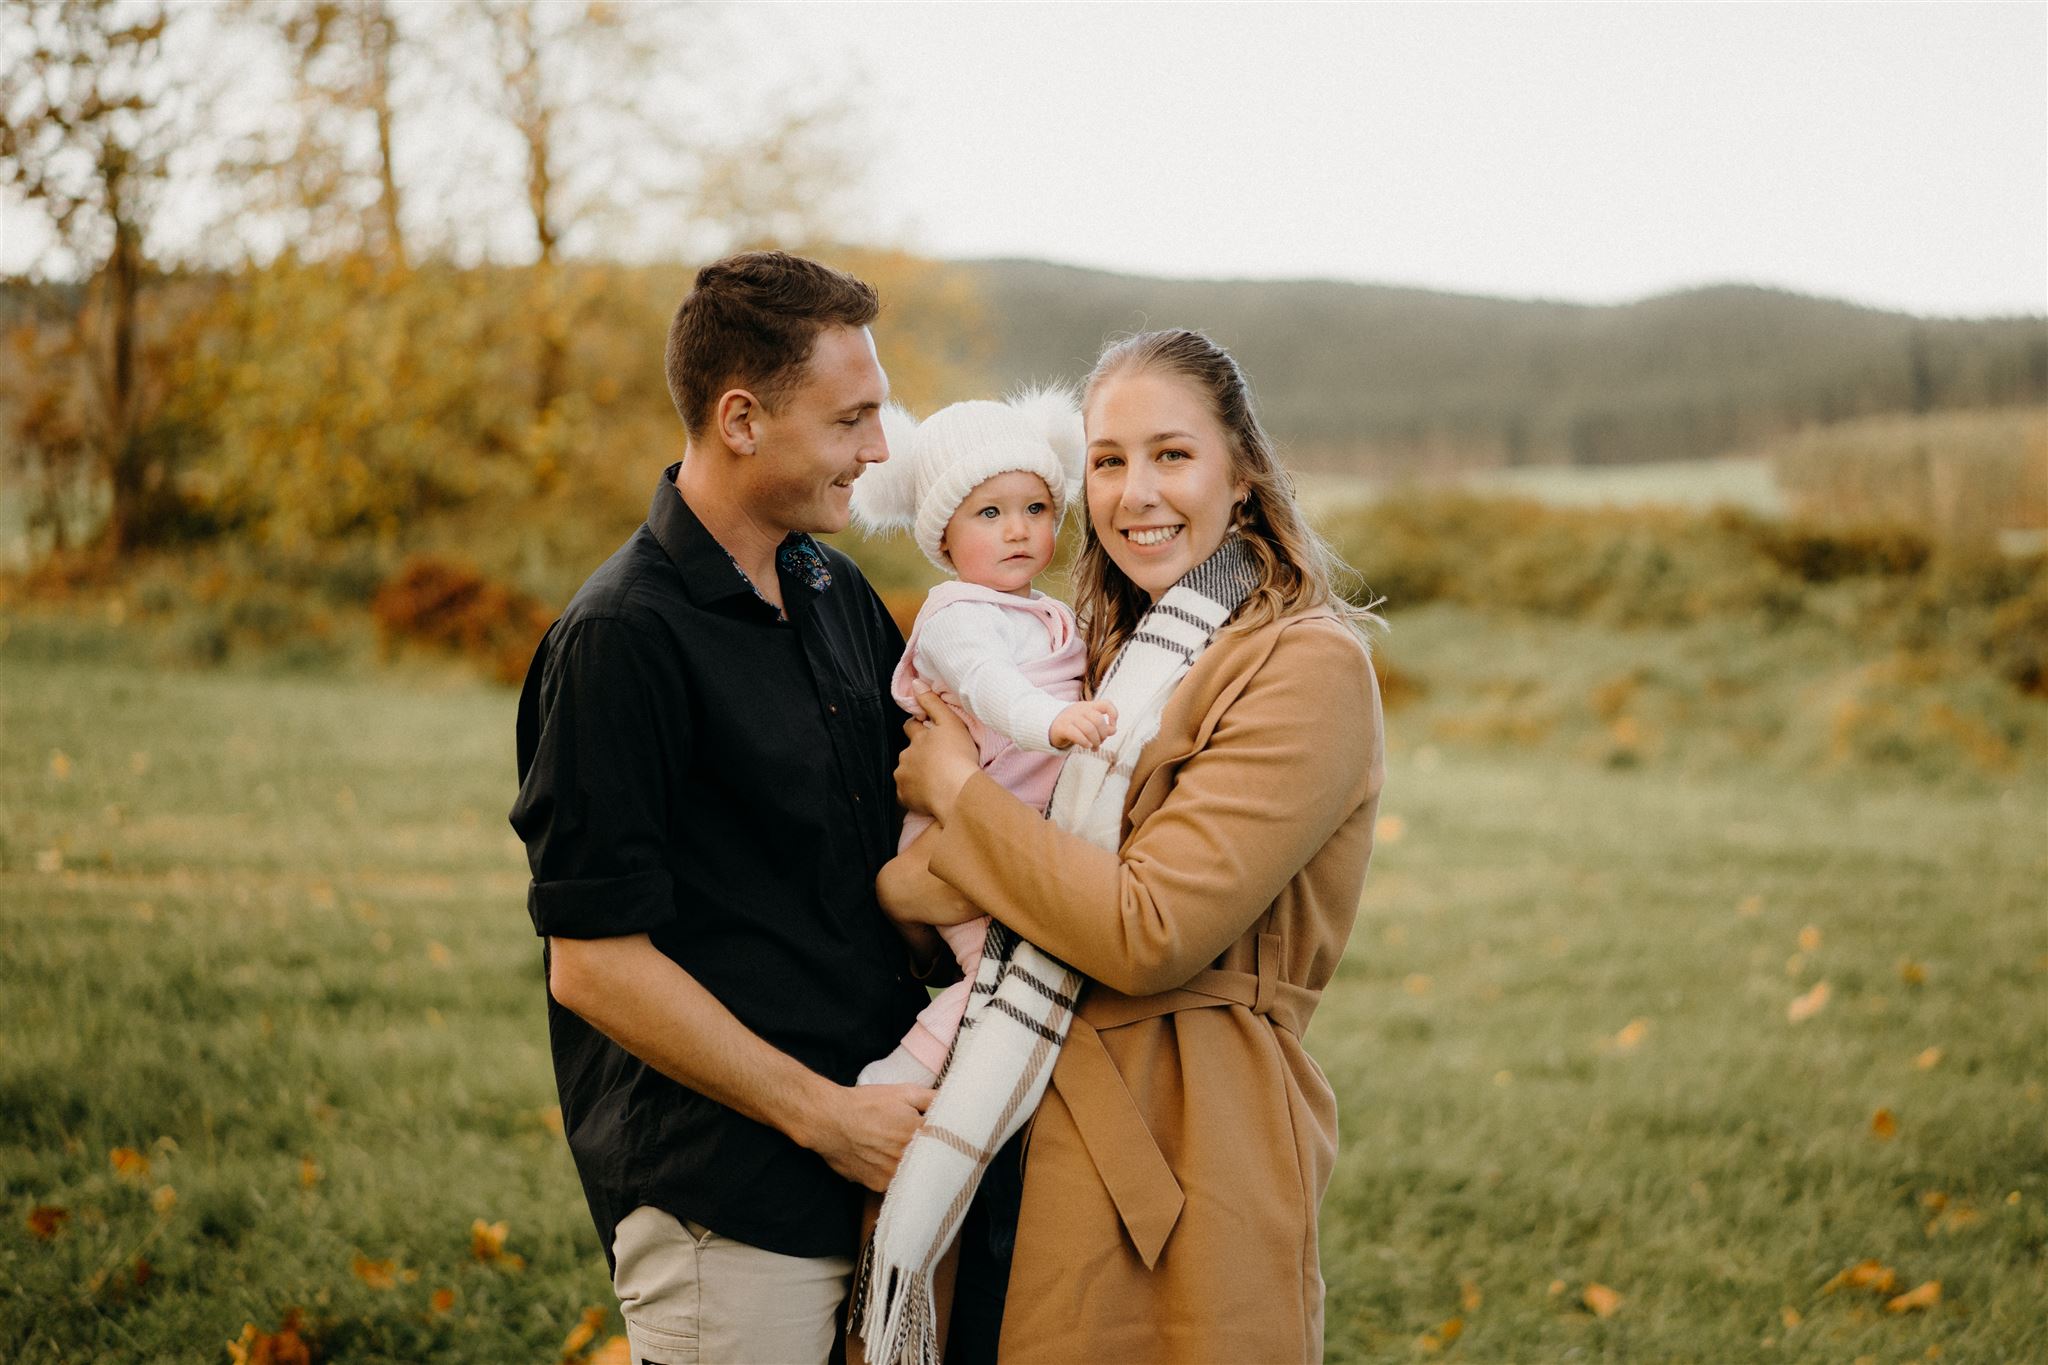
<point x="1891" y="154"/>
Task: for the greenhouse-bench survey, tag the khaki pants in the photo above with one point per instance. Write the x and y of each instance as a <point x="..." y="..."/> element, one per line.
<point x="691" y="1297"/>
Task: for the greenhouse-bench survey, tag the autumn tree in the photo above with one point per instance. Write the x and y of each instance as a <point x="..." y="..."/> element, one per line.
<point x="89" y="117"/>
<point x="331" y="167"/>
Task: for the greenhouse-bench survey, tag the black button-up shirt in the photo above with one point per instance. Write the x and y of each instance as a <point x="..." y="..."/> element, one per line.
<point x="697" y="768"/>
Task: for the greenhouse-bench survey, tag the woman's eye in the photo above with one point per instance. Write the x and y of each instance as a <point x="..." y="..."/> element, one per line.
<point x="1110" y="462"/>
<point x="1173" y="454"/>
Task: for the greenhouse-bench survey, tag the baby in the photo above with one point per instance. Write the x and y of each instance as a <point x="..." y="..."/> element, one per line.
<point x="982" y="485"/>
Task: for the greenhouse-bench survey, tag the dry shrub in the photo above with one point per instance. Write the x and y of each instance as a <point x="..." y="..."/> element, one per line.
<point x="1958" y="477"/>
<point x="1815" y="554"/>
<point x="448" y="605"/>
<point x="1399" y="686"/>
<point x="902" y="605"/>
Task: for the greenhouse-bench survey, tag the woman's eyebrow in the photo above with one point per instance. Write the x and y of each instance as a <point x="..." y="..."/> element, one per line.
<point x="1151" y="440"/>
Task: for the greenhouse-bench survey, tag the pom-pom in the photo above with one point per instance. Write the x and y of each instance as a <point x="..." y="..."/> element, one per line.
<point x="1053" y="412"/>
<point x="885" y="495"/>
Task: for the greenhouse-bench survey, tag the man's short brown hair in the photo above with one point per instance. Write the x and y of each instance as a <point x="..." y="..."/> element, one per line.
<point x="750" y="321"/>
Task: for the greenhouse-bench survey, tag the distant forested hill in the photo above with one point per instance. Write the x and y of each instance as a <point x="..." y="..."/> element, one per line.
<point x="1383" y="379"/>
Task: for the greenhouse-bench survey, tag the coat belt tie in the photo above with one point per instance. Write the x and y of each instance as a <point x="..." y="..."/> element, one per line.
<point x="1134" y="1171"/>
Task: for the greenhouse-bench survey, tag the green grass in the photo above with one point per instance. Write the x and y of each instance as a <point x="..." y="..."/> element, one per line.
<point x="251" y="922"/>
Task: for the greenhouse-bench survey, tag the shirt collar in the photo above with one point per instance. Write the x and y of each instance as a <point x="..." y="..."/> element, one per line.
<point x="710" y="573"/>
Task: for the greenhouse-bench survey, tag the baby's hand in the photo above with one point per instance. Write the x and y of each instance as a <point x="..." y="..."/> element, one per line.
<point x="1084" y="725"/>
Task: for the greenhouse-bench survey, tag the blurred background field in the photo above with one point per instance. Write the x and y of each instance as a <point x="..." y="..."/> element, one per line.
<point x="1694" y="1010"/>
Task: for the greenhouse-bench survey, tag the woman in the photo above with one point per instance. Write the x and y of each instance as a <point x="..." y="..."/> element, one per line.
<point x="1173" y="1170"/>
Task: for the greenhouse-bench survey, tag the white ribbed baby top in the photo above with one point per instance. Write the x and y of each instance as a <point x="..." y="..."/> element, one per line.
<point x="972" y="650"/>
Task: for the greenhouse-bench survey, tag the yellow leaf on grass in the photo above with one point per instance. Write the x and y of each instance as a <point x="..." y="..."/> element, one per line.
<point x="443" y="1300"/>
<point x="1927" y="1059"/>
<point x="438" y="954"/>
<point x="45" y="1219"/>
<point x="128" y="1163"/>
<point x="1556" y="1287"/>
<point x="487" y="1240"/>
<point x="1926" y="1296"/>
<point x="1911" y="972"/>
<point x="1390" y="829"/>
<point x="1809" y="939"/>
<point x="376" y="1274"/>
<point x="1954" y="1218"/>
<point x="1804" y="1007"/>
<point x="1451" y="1330"/>
<point x="1749" y="907"/>
<point x="1469" y="1297"/>
<point x="282" y="1347"/>
<point x="60" y="764"/>
<point x="551" y="1119"/>
<point x="310" y="1173"/>
<point x="583" y="1333"/>
<point x="1604" y="1302"/>
<point x="1632" y="1034"/>
<point x="1884" y="1126"/>
<point x="1870" y="1274"/>
<point x="1417" y="984"/>
<point x="1790" y="1316"/>
<point x="164" y="1200"/>
<point x="616" y="1351"/>
<point x="487" y="1244"/>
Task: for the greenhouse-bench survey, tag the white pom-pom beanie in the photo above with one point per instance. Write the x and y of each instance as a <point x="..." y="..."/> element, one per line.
<point x="934" y="464"/>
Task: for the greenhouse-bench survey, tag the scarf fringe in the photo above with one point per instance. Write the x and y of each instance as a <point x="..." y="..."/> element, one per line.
<point x="895" y="1313"/>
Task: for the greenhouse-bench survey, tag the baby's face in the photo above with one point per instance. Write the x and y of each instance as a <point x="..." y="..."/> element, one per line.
<point x="1001" y="535"/>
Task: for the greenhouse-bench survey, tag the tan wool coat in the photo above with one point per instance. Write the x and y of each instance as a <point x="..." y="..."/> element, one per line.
<point x="1173" y="1172"/>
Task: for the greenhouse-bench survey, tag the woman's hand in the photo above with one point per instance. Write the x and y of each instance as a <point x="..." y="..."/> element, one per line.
<point x="940" y="759"/>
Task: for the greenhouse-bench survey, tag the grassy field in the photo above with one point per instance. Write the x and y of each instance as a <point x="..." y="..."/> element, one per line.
<point x="273" y="1035"/>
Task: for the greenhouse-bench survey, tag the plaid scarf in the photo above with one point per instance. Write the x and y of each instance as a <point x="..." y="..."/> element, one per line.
<point x="1023" y="998"/>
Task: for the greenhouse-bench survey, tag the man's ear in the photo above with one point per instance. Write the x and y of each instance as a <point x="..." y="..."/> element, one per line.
<point x="736" y="419"/>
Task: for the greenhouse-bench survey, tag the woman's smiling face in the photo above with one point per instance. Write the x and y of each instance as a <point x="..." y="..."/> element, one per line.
<point x="1161" y="489"/>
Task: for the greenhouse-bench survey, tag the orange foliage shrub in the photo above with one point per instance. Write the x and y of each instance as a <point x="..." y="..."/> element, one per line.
<point x="450" y="606"/>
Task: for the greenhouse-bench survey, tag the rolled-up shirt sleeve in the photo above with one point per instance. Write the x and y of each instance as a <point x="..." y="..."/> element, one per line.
<point x="598" y="735"/>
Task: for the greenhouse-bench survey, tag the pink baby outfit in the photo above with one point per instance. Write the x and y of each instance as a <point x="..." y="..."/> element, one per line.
<point x="1012" y="664"/>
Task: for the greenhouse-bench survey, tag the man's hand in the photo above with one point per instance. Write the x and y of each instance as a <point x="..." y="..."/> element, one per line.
<point x="861" y="1130"/>
<point x="1084" y="725"/>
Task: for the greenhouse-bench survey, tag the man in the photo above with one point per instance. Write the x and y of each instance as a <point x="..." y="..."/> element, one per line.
<point x="705" y="756"/>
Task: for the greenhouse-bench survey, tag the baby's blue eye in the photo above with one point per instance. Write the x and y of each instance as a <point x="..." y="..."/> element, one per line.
<point x="1037" y="509"/>
<point x="989" y="512"/>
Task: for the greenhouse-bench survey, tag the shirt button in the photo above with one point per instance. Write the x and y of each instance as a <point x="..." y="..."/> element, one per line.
<point x="856" y="798"/>
<point x="833" y="707"/>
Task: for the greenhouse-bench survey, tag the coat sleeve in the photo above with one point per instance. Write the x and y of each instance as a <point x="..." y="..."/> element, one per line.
<point x="1295" y="754"/>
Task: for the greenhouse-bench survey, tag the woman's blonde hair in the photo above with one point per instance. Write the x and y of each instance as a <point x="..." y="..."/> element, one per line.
<point x="1296" y="566"/>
